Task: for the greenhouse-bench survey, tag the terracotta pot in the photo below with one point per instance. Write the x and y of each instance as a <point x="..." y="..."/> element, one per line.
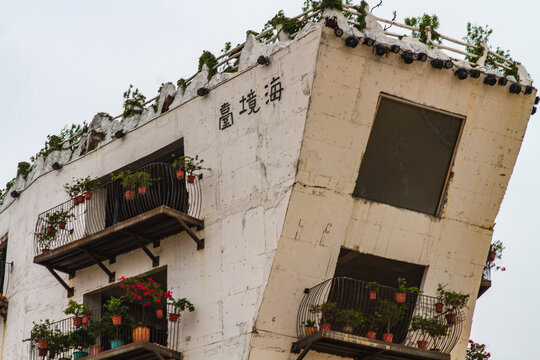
<point x="325" y="326"/>
<point x="180" y="174"/>
<point x="96" y="349"/>
<point x="191" y="179"/>
<point x="50" y="230"/>
<point x="43" y="344"/>
<point x="75" y="201"/>
<point x="173" y="317"/>
<point x="85" y="320"/>
<point x="42" y="352"/>
<point x="141" y="190"/>
<point x="141" y="333"/>
<point x="77" y="321"/>
<point x="492" y="255"/>
<point x="388" y="337"/>
<point x="80" y="199"/>
<point x="401" y="297"/>
<point x="2" y="297"/>
<point x="371" y="335"/>
<point x="117" y="320"/>
<point x="439" y="307"/>
<point x="45" y="251"/>
<point x="310" y="330"/>
<point x="130" y="194"/>
<point x="372" y="295"/>
<point x="422" y="344"/>
<point x="88" y="195"/>
<point x="159" y="313"/>
<point x="62" y="225"/>
<point x="451" y="318"/>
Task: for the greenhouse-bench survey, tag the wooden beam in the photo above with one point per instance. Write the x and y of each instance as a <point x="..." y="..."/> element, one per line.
<point x="199" y="242"/>
<point x="70" y="290"/>
<point x="98" y="262"/>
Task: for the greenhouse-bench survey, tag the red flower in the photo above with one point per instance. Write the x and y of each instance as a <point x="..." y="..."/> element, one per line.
<point x="139" y="297"/>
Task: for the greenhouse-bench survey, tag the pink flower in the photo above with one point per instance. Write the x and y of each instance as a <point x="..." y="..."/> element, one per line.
<point x="139" y="297"/>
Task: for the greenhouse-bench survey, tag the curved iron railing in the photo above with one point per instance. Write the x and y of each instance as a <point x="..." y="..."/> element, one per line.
<point x="352" y="294"/>
<point x="110" y="204"/>
<point x="162" y="331"/>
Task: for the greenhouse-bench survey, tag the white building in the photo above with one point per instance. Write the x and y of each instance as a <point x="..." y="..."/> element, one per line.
<point x="333" y="160"/>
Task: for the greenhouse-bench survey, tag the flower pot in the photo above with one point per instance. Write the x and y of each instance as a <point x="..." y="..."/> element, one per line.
<point x="451" y="318"/>
<point x="80" y="199"/>
<point x="371" y="335"/>
<point x="388" y="337"/>
<point x="141" y="190"/>
<point x="180" y="174"/>
<point x="439" y="307"/>
<point x="50" y="229"/>
<point x="310" y="330"/>
<point x="79" y="354"/>
<point x="422" y="344"/>
<point x="173" y="317"/>
<point x="492" y="255"/>
<point x="43" y="344"/>
<point x="191" y="179"/>
<point x="75" y="201"/>
<point x="159" y="313"/>
<point x="372" y="295"/>
<point x="96" y="349"/>
<point x="130" y="194"/>
<point x="88" y="195"/>
<point x="85" y="320"/>
<point x="325" y="326"/>
<point x="117" y="320"/>
<point x="42" y="352"/>
<point x="62" y="225"/>
<point x="401" y="297"/>
<point x="141" y="333"/>
<point x="77" y="321"/>
<point x="347" y="329"/>
<point x="45" y="251"/>
<point x="116" y="343"/>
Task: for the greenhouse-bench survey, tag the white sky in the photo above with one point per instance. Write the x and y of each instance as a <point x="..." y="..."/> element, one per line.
<point x="61" y="62"/>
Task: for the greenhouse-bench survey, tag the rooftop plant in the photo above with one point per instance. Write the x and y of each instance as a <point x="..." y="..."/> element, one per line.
<point x="23" y="169"/>
<point x="208" y="59"/>
<point x="133" y="102"/>
<point x="425" y="23"/>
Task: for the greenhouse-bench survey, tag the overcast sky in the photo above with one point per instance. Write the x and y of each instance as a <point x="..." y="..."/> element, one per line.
<point x="61" y="62"/>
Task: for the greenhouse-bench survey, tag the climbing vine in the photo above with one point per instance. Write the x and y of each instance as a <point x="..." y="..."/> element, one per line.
<point x="424" y="23"/>
<point x="481" y="34"/>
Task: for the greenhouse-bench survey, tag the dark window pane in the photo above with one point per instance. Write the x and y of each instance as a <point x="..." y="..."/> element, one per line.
<point x="408" y="155"/>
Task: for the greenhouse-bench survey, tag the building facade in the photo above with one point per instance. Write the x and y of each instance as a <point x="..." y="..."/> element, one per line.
<point x="330" y="164"/>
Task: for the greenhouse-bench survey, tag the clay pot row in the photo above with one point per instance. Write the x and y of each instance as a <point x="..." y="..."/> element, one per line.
<point x="180" y="176"/>
<point x="80" y="199"/>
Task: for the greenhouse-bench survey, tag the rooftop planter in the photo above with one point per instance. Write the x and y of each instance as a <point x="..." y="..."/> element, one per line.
<point x="343" y="312"/>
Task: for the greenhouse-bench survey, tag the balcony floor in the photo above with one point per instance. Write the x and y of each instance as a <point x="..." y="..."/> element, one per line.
<point x="338" y="343"/>
<point x="140" y="350"/>
<point x="106" y="244"/>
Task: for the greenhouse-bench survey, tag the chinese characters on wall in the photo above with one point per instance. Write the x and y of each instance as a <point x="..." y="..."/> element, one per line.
<point x="249" y="104"/>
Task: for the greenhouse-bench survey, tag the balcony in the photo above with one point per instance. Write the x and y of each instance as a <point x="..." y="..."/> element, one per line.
<point x="110" y="223"/>
<point x="485" y="284"/>
<point x="102" y="340"/>
<point x="368" y="318"/>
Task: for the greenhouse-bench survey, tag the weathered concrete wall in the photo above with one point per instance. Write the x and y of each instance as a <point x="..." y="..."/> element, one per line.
<point x="323" y="216"/>
<point x="245" y="196"/>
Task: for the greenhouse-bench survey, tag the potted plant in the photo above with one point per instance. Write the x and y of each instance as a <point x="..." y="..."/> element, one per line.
<point x="58" y="344"/>
<point x="391" y="313"/>
<point x="104" y="328"/>
<point x="58" y="218"/>
<point x="453" y="301"/>
<point x="179" y="306"/>
<point x="74" y="191"/>
<point x="41" y="334"/>
<point x="138" y="180"/>
<point x="187" y="164"/>
<point x="373" y="287"/>
<point x="437" y="329"/>
<point x="373" y="319"/>
<point x="310" y="327"/>
<point x="147" y="293"/>
<point x="45" y="239"/>
<point x="328" y="312"/>
<point x="351" y="320"/>
<point x="88" y="185"/>
<point x="117" y="309"/>
<point x="427" y="326"/>
<point x="79" y="312"/>
<point x="403" y="289"/>
<point x="79" y="341"/>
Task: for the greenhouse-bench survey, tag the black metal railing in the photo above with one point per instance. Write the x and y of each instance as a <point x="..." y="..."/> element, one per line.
<point x="108" y="336"/>
<point x="486" y="273"/>
<point x="371" y="316"/>
<point x="110" y="204"/>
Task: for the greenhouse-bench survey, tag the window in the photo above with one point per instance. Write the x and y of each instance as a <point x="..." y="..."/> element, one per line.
<point x="408" y="155"/>
<point x="3" y="263"/>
